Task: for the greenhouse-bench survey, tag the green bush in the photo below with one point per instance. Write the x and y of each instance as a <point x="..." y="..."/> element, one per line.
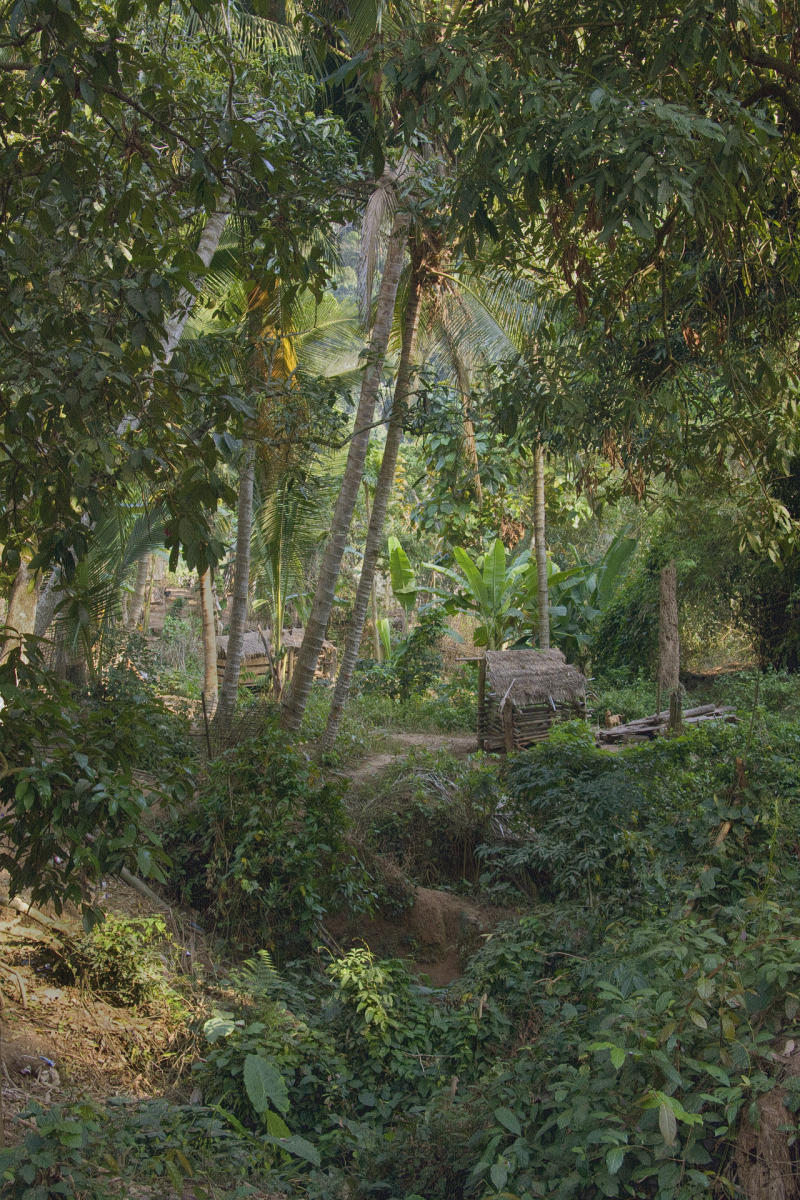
<point x="70" y="809"/>
<point x="636" y="1064"/>
<point x="621" y="827"/>
<point x="262" y="849"/>
<point x="415" y="666"/>
<point x="119" y="959"/>
<point x="92" y="1151"/>
<point x="625" y="637"/>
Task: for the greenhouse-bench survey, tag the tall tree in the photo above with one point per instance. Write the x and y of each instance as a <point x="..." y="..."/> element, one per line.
<point x="669" y="656"/>
<point x="380" y="504"/>
<point x="316" y="627"/>
<point x="209" y="620"/>
<point x="540" y="545"/>
<point x="241" y="590"/>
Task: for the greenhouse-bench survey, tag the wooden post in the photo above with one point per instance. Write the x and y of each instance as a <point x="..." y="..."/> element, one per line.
<point x="508" y="726"/>
<point x="482" y="704"/>
<point x="669" y="654"/>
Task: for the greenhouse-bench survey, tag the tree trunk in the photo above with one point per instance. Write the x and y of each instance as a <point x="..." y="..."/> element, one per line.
<point x="241" y="591"/>
<point x="316" y="626"/>
<point x="471" y="448"/>
<point x="543" y="597"/>
<point x="206" y="249"/>
<point x="209" y="641"/>
<point x="136" y="602"/>
<point x="380" y="504"/>
<point x="373" y="594"/>
<point x="21" y="613"/>
<point x="669" y="651"/>
<point x="48" y="601"/>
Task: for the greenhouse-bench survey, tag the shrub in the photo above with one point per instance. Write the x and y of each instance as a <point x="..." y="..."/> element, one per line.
<point x="70" y="810"/>
<point x="415" y="665"/>
<point x="119" y="959"/>
<point x="262" y="845"/>
<point x="622" y="826"/>
<point x="625" y="637"/>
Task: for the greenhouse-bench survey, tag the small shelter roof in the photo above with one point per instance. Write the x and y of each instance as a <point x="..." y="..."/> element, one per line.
<point x="253" y="645"/>
<point x="533" y="677"/>
<point x="254" y="642"/>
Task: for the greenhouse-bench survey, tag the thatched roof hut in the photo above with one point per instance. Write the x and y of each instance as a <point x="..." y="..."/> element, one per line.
<point x="522" y="693"/>
<point x="258" y="647"/>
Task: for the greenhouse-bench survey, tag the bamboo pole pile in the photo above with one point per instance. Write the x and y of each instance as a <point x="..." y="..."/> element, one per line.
<point x="646" y="728"/>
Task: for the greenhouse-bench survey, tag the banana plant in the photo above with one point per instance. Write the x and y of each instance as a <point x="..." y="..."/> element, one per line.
<point x="579" y="594"/>
<point x="385" y="635"/>
<point x="489" y="588"/>
<point x="403" y="579"/>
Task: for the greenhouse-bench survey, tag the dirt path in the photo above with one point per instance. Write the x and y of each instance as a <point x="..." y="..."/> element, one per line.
<point x="460" y="744"/>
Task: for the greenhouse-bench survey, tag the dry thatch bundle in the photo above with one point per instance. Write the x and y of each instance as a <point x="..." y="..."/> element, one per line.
<point x="253" y="645"/>
<point x="533" y="677"/>
<point x="766" y="1160"/>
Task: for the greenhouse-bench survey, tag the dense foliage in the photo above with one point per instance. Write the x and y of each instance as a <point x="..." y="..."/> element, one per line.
<point x="261" y="846"/>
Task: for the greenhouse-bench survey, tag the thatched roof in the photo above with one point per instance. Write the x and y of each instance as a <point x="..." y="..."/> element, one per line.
<point x="533" y="677"/>
<point x="253" y="645"/>
<point x="254" y="642"/>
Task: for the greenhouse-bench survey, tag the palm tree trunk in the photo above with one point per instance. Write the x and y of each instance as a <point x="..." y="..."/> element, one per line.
<point x="543" y="597"/>
<point x="136" y="603"/>
<point x="316" y="626"/>
<point x="241" y="591"/>
<point x="373" y="594"/>
<point x="21" y="612"/>
<point x="380" y="504"/>
<point x="209" y="641"/>
<point x="471" y="448"/>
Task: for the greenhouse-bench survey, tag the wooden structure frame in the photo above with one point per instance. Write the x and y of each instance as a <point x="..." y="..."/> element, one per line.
<point x="258" y="666"/>
<point x="521" y="693"/>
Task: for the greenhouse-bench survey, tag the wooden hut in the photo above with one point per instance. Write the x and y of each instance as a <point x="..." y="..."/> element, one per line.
<point x="522" y="693"/>
<point x="258" y="664"/>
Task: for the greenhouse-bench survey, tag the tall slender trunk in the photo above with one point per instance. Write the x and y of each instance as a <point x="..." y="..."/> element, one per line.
<point x="206" y="249"/>
<point x="241" y="590"/>
<point x="380" y="504"/>
<point x="21" y="613"/>
<point x="209" y="641"/>
<point x="373" y="594"/>
<point x="669" y="650"/>
<point x="303" y="677"/>
<point x="471" y="448"/>
<point x="136" y="602"/>
<point x="543" y="597"/>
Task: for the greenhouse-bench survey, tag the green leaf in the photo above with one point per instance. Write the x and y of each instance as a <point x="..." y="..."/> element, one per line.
<point x="264" y="1085"/>
<point x="614" y="1159"/>
<point x="474" y="577"/>
<point x="303" y="1149"/>
<point x="404" y="582"/>
<point x="506" y="1118"/>
<point x="618" y="1055"/>
<point x="667" y="1123"/>
<point x="498" y="1173"/>
<point x="218" y="1027"/>
<point x="494" y="573"/>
